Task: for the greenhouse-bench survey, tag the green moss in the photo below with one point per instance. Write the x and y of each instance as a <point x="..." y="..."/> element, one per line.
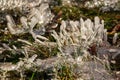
<point x="66" y="72"/>
<point x="67" y="12"/>
<point x="74" y="13"/>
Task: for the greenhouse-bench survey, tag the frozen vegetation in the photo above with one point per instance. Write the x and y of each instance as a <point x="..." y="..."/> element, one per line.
<point x="37" y="44"/>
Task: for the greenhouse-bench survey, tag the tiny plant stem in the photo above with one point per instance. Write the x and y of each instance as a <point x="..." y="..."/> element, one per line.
<point x="33" y="74"/>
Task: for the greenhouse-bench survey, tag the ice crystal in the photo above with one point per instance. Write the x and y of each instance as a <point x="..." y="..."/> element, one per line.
<point x="38" y="16"/>
<point x="81" y="33"/>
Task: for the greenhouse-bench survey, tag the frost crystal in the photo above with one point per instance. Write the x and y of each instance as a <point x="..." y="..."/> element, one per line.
<point x="39" y="16"/>
<point x="80" y="33"/>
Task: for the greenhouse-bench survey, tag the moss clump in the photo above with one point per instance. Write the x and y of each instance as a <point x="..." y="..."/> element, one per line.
<point x="68" y="12"/>
<point x="66" y="72"/>
<point x="111" y="18"/>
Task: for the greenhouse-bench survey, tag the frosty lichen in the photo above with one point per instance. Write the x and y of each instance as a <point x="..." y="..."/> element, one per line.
<point x="41" y="16"/>
<point x="56" y="55"/>
<point x="81" y="33"/>
<point x="19" y="4"/>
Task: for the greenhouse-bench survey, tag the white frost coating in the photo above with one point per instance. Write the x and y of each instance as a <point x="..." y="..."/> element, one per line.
<point x="115" y="38"/>
<point x="81" y="33"/>
<point x="96" y="3"/>
<point x="40" y="16"/>
<point x="11" y="4"/>
<point x="19" y="4"/>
